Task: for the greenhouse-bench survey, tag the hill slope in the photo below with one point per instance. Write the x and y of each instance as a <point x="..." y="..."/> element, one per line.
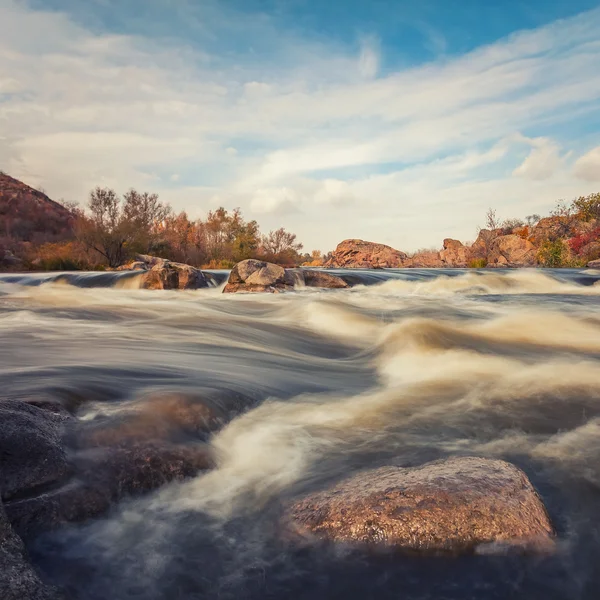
<point x="28" y="215"/>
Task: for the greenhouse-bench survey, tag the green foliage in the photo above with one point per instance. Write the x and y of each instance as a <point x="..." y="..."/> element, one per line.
<point x="587" y="207"/>
<point x="478" y="263"/>
<point x="554" y="254"/>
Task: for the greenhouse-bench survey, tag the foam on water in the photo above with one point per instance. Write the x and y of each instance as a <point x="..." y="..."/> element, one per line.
<point x="322" y="384"/>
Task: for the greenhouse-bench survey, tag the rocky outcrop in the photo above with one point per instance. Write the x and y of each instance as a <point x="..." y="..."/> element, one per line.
<point x="454" y="254"/>
<point x="511" y="251"/>
<point x="594" y="264"/>
<point x="354" y="254"/>
<point x="259" y="276"/>
<point x="454" y="505"/>
<point x="163" y="274"/>
<point x="425" y="259"/>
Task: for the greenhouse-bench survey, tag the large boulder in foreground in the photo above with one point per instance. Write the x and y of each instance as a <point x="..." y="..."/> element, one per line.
<point x="454" y="505"/>
<point x="354" y="254"/>
<point x="18" y="580"/>
<point x="55" y="468"/>
<point x="259" y="276"/>
<point x="32" y="456"/>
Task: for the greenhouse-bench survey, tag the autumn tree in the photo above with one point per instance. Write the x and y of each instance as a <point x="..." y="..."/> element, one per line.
<point x="117" y="227"/>
<point x="281" y="246"/>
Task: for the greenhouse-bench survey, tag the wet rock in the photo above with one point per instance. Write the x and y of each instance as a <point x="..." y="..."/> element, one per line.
<point x="257" y="276"/>
<point x="321" y="279"/>
<point x="367" y="255"/>
<point x="56" y="469"/>
<point x="18" y="580"/>
<point x="163" y="274"/>
<point x="453" y="506"/>
<point x="454" y="254"/>
<point x="104" y="476"/>
<point x="511" y="251"/>
<point x="32" y="456"/>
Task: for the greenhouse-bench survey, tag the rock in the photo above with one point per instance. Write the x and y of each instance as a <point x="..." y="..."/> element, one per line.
<point x="105" y="475"/>
<point x="452" y="505"/>
<point x="426" y="259"/>
<point x="168" y="275"/>
<point x="321" y="279"/>
<point x="57" y="469"/>
<point x="454" y="254"/>
<point x="481" y="246"/>
<point x="257" y="276"/>
<point x="31" y="452"/>
<point x="18" y="580"/>
<point x="511" y="251"/>
<point x="594" y="264"/>
<point x="353" y="254"/>
<point x="590" y="251"/>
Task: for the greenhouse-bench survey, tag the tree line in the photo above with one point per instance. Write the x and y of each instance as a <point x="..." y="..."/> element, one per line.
<point x="115" y="229"/>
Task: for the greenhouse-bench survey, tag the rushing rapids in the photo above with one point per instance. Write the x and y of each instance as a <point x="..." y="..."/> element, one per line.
<point x="312" y="387"/>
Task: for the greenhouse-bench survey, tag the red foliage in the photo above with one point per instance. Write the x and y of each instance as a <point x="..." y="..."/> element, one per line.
<point x="578" y="242"/>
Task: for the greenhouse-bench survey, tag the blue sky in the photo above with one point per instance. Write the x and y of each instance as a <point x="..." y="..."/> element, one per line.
<point x="394" y="121"/>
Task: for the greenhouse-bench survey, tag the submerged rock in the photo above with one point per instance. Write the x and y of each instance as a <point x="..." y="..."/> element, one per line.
<point x="352" y="254"/>
<point x="259" y="276"/>
<point x="18" y="580"/>
<point x="56" y="469"/>
<point x="452" y="505"/>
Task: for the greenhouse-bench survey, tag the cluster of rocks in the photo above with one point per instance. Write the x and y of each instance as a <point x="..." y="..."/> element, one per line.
<point x="259" y="276"/>
<point x="500" y="248"/>
<point x="57" y="469"/>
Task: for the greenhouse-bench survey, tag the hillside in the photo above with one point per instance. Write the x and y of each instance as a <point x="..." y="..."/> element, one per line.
<point x="28" y="215"/>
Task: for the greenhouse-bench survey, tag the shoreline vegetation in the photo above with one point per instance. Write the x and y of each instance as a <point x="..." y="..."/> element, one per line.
<point x="38" y="234"/>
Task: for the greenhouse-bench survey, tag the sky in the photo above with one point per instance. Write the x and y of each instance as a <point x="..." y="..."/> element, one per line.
<point x="393" y="121"/>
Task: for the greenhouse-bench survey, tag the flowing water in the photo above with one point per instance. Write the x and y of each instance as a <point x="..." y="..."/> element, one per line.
<point x="405" y="367"/>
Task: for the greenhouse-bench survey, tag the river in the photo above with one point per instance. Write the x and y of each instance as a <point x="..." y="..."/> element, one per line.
<point x="405" y="367"/>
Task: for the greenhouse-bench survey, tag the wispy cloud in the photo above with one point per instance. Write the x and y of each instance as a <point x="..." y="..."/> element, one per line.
<point x="317" y="140"/>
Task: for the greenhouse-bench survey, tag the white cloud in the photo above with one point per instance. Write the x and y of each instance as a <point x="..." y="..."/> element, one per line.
<point x="588" y="166"/>
<point x="368" y="61"/>
<point x="320" y="142"/>
<point x="543" y="162"/>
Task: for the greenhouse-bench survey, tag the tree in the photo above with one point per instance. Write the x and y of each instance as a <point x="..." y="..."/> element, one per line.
<point x="116" y="228"/>
<point x="532" y="219"/>
<point x="280" y="241"/>
<point x="491" y="220"/>
<point x="587" y="207"/>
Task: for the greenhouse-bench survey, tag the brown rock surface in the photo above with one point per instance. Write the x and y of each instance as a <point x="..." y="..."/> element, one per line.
<point x="162" y="274"/>
<point x="594" y="264"/>
<point x="425" y="259"/>
<point x="352" y="254"/>
<point x="454" y="254"/>
<point x="451" y="505"/>
<point x="511" y="251"/>
<point x="323" y="280"/>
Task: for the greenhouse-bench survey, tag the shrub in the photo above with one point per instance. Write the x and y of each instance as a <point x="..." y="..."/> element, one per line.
<point x="553" y="254"/>
<point x="579" y="241"/>
<point x="478" y="263"/>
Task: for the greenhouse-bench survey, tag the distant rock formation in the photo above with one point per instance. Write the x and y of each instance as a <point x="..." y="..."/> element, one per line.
<point x="454" y="505"/>
<point x="259" y="276"/>
<point x="367" y="255"/>
<point x="28" y="215"/>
